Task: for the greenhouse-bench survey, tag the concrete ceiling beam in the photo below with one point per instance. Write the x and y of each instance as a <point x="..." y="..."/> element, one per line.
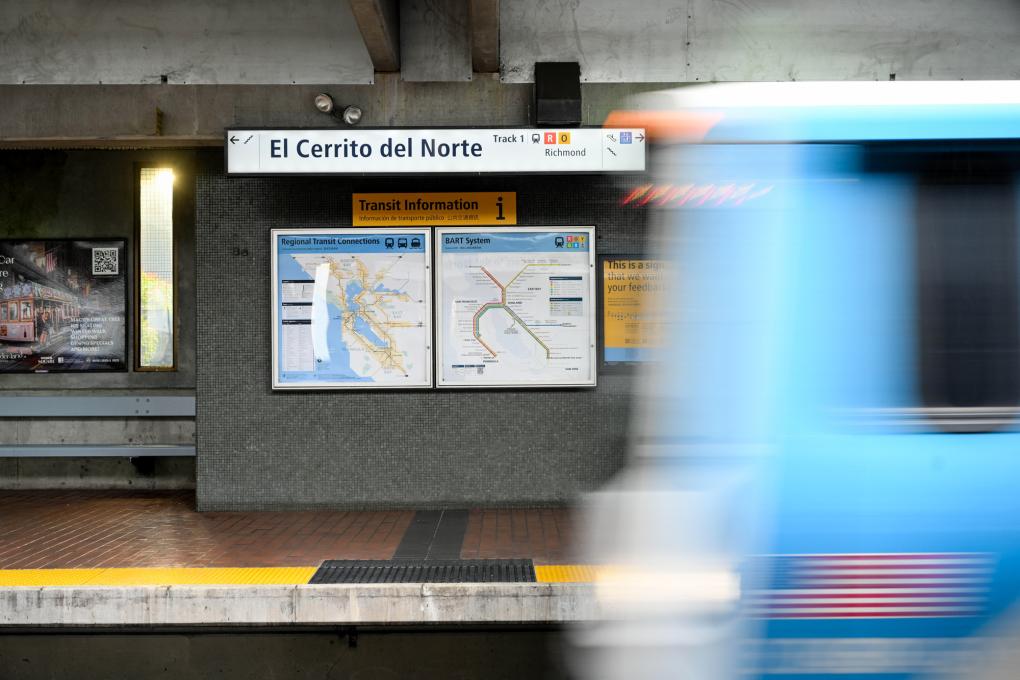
<point x="121" y="116"/>
<point x="379" y="23"/>
<point x="484" y="20"/>
<point x="435" y="41"/>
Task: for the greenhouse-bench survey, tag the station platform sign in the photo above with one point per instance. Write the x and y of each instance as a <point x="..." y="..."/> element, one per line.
<point x="348" y="151"/>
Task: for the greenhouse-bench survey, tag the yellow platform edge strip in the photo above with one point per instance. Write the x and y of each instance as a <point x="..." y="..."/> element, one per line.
<point x="226" y="576"/>
<point x="567" y="573"/>
<point x="157" y="576"/>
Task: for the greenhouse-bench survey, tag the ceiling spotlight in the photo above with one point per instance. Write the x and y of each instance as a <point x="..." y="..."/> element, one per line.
<point x="324" y="103"/>
<point x="351" y="115"/>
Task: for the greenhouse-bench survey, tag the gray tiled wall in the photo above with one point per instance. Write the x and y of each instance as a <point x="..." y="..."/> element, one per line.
<point x="260" y="450"/>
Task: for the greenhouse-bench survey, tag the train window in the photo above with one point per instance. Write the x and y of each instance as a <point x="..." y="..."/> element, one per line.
<point x="155" y="335"/>
<point x="967" y="267"/>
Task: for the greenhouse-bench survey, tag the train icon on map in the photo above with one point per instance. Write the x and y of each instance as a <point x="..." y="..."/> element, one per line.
<point x="416" y="242"/>
<point x="389" y="243"/>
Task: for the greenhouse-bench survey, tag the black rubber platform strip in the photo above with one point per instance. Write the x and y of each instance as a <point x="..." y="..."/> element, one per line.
<point x="433" y="535"/>
<point x="449" y="538"/>
<point x="425" y="571"/>
<point x="418" y="537"/>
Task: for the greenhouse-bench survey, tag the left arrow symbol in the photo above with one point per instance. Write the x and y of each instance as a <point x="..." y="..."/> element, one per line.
<point x="233" y="139"/>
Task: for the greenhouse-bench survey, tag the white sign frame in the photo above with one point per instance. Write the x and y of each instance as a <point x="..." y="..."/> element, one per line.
<point x="441" y="319"/>
<point x="424" y="232"/>
<point x="417" y="151"/>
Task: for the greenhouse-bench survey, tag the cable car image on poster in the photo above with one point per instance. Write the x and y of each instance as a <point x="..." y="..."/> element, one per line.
<point x="516" y="307"/>
<point x="63" y="306"/>
<point x="351" y="309"/>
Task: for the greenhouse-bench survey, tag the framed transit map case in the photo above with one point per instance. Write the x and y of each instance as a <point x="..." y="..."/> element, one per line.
<point x="516" y="307"/>
<point x="352" y="309"/>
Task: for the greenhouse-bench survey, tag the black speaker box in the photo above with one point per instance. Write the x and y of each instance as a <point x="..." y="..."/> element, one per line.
<point x="557" y="93"/>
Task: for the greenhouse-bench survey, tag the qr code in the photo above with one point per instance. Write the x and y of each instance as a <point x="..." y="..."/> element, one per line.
<point x="104" y="262"/>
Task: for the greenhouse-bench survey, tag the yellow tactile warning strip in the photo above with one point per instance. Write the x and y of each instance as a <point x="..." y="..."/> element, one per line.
<point x="157" y="576"/>
<point x="567" y="573"/>
<point x="209" y="576"/>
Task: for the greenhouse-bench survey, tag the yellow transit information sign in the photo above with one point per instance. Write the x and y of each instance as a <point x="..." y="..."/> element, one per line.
<point x="495" y="208"/>
<point x="631" y="322"/>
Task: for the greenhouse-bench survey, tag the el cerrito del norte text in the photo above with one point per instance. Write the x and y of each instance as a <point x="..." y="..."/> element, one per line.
<point x="349" y="148"/>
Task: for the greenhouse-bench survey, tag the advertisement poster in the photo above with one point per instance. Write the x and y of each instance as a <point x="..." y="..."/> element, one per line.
<point x="516" y="307"/>
<point x="63" y="306"/>
<point x="350" y="309"/>
<point x="631" y="323"/>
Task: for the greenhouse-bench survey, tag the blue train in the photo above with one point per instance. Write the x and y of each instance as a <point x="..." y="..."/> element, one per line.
<point x="825" y="469"/>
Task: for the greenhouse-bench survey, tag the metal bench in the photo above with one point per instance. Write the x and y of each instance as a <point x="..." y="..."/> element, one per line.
<point x="96" y="407"/>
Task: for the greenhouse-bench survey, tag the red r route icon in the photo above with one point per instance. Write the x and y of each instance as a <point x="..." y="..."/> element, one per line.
<point x="550" y="138"/>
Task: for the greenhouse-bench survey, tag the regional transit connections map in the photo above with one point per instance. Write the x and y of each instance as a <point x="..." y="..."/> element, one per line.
<point x="352" y="309"/>
<point x="516" y="307"/>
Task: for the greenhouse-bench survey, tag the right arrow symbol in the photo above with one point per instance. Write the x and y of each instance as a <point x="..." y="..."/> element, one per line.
<point x="640" y="136"/>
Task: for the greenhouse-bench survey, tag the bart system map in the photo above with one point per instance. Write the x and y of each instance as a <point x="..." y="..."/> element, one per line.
<point x="352" y="309"/>
<point x="516" y="307"/>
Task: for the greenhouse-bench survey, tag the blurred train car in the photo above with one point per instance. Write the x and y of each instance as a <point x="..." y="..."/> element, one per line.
<point x="824" y="477"/>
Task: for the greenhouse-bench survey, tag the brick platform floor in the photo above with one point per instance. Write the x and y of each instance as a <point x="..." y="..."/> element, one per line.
<point x="99" y="529"/>
<point x="543" y="534"/>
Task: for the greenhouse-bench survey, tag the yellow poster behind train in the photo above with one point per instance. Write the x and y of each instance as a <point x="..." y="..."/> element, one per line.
<point x="631" y="322"/>
<point x="496" y="208"/>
